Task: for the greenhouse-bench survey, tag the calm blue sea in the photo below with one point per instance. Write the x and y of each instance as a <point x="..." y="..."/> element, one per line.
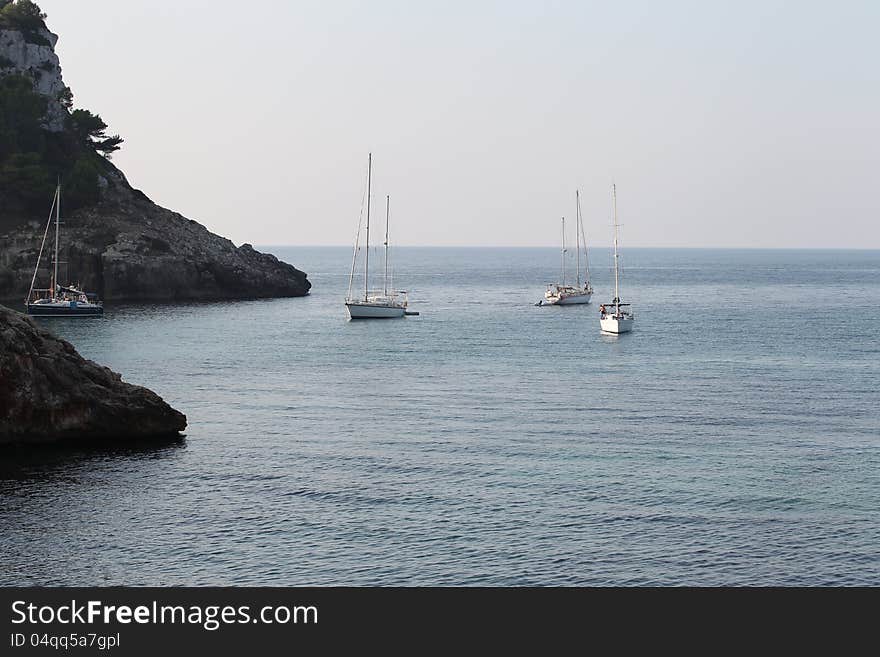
<point x="733" y="438"/>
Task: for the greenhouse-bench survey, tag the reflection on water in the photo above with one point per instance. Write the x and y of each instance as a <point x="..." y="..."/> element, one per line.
<point x="45" y="462"/>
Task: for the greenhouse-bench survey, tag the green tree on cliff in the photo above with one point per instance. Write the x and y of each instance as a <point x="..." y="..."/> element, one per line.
<point x="91" y="131"/>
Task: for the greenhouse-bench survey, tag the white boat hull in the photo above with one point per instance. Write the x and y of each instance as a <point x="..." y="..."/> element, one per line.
<point x="567" y="295"/>
<point x="616" y="325"/>
<point x="570" y="300"/>
<point x="374" y="311"/>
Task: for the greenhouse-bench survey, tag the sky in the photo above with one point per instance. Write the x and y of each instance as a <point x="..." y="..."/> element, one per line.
<point x="723" y="124"/>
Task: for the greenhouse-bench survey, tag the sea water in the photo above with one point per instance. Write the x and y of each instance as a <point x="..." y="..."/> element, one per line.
<point x="732" y="439"/>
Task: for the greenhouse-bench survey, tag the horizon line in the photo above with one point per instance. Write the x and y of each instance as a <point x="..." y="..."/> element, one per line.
<point x="556" y="247"/>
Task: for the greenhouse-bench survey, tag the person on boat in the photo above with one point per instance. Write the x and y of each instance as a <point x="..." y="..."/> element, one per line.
<point x="602" y="310"/>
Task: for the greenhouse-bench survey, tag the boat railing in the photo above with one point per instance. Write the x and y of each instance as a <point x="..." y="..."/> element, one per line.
<point x="380" y="295"/>
<point x="568" y="289"/>
<point x="39" y="294"/>
<point x="64" y="294"/>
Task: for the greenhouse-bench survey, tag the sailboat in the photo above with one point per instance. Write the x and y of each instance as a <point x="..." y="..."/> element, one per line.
<point x="59" y="300"/>
<point x="616" y="317"/>
<point x="388" y="303"/>
<point x="560" y="294"/>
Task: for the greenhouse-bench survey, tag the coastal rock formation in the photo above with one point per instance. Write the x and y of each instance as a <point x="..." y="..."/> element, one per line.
<point x="49" y="393"/>
<point x="35" y="59"/>
<point x="116" y="241"/>
<point x="127" y="248"/>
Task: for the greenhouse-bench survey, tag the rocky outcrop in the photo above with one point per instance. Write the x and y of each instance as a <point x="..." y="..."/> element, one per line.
<point x="19" y="55"/>
<point x="122" y="246"/>
<point x="127" y="248"/>
<point x="49" y="393"/>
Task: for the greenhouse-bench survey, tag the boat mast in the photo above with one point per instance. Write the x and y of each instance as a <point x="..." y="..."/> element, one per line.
<point x="42" y="246"/>
<point x="577" y="230"/>
<point x="57" y="229"/>
<point x="367" y="258"/>
<point x="563" y="252"/>
<point x="584" y="237"/>
<point x="387" y="213"/>
<point x="616" y="254"/>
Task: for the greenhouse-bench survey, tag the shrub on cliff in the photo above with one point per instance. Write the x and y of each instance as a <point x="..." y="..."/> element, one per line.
<point x="21" y="15"/>
<point x="24" y="175"/>
<point x="33" y="158"/>
<point x="21" y="111"/>
<point x="25" y="16"/>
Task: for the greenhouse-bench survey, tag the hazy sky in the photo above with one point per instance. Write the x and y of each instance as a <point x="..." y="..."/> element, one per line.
<point x="722" y="123"/>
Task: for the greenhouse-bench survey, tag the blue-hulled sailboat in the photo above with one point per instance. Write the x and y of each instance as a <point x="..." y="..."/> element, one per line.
<point x="59" y="300"/>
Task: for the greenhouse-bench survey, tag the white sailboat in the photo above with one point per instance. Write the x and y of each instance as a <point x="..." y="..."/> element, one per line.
<point x="616" y="317"/>
<point x="388" y="303"/>
<point x="561" y="294"/>
<point x="59" y="300"/>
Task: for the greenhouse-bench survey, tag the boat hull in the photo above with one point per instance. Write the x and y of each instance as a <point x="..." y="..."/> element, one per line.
<point x="572" y="300"/>
<point x="615" y="325"/>
<point x="374" y="311"/>
<point x="62" y="310"/>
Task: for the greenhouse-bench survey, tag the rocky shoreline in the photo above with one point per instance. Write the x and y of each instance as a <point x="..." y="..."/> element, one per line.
<point x="51" y="394"/>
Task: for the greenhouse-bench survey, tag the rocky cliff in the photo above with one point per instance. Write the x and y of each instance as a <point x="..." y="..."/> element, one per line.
<point x="127" y="248"/>
<point x="34" y="57"/>
<point x="115" y="240"/>
<point x="49" y="393"/>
